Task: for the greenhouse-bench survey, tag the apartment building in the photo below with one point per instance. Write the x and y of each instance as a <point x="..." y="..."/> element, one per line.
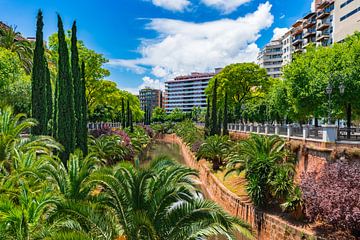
<point x="309" y="29"/>
<point x="271" y="58"/>
<point x="287" y="48"/>
<point x="187" y="92"/>
<point x="325" y="23"/>
<point x="150" y="98"/>
<point x="347" y="18"/>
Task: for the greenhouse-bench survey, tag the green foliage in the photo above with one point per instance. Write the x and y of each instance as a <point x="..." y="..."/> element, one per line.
<point x="268" y="167"/>
<point x="158" y="115"/>
<point x="176" y="115"/>
<point x="162" y="202"/>
<point x="39" y="82"/>
<point x="139" y="139"/>
<point x="214" y="149"/>
<point x="12" y="40"/>
<point x="213" y="117"/>
<point x="188" y="131"/>
<point x="65" y="132"/>
<point x="108" y="148"/>
<point x="15" y="85"/>
<point x="83" y="132"/>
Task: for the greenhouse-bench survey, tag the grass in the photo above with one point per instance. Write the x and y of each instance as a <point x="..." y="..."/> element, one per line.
<point x="235" y="183"/>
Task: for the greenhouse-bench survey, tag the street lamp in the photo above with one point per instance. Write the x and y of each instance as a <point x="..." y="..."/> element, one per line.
<point x="342" y="88"/>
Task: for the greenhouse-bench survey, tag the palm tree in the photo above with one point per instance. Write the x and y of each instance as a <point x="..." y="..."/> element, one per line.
<point x="214" y="149"/>
<point x="11" y="128"/>
<point x="108" y="148"/>
<point x="163" y="202"/>
<point x="13" y="41"/>
<point x="267" y="165"/>
<point x="72" y="181"/>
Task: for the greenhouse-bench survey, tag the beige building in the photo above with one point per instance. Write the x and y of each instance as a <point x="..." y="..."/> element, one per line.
<point x="347" y="18"/>
<point x="270" y="58"/>
<point x="287" y="48"/>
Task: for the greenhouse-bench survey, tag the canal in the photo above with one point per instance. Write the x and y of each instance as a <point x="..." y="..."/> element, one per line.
<point x="172" y="150"/>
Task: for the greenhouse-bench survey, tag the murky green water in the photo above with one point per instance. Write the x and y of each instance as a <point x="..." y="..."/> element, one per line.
<point x="172" y="150"/>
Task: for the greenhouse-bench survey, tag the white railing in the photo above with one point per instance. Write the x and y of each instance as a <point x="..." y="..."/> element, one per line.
<point x="326" y="133"/>
<point x="99" y="125"/>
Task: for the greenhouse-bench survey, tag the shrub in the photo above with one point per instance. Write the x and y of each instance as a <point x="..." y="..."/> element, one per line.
<point x="333" y="195"/>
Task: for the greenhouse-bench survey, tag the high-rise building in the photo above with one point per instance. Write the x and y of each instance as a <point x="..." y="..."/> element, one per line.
<point x="187" y="92"/>
<point x="309" y="29"/>
<point x="297" y="35"/>
<point x="325" y="22"/>
<point x="271" y="58"/>
<point x="287" y="48"/>
<point x="150" y="98"/>
<point x="347" y="18"/>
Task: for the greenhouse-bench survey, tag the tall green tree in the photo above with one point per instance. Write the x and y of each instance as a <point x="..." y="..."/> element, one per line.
<point x="83" y="137"/>
<point x="127" y="114"/>
<point x="39" y="75"/>
<point x="49" y="96"/>
<point x="213" y="117"/>
<point x="207" y="118"/>
<point x="225" y="117"/>
<point x="66" y="114"/>
<point x="76" y="77"/>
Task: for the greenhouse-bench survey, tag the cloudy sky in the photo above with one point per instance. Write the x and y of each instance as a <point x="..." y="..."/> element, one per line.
<point x="150" y="41"/>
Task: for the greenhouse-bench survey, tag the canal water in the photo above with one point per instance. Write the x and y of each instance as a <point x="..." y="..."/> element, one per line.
<point x="172" y="150"/>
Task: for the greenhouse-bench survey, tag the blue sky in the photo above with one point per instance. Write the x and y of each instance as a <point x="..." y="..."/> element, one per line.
<point x="150" y="41"/>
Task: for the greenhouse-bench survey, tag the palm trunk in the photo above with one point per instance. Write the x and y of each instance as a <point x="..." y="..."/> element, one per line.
<point x="348" y="118"/>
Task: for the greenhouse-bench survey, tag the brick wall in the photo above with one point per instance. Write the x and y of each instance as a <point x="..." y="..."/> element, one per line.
<point x="267" y="226"/>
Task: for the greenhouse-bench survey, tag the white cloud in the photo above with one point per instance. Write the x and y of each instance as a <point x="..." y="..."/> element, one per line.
<point x="172" y="5"/>
<point x="279" y="32"/>
<point x="226" y="6"/>
<point x="313" y="6"/>
<point x="183" y="47"/>
<point x="282" y="16"/>
<point x="147" y="82"/>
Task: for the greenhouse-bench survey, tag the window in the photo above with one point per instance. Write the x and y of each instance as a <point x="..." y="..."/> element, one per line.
<point x="349" y="14"/>
<point x="345" y="3"/>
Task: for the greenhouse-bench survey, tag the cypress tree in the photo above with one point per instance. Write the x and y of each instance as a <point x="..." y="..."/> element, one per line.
<point x="128" y="114"/>
<point x="75" y="70"/>
<point x="55" y="111"/>
<point x="219" y="122"/>
<point x="49" y="96"/>
<point x="225" y="117"/>
<point x="131" y="122"/>
<point x="65" y="115"/>
<point x="207" y="118"/>
<point x="38" y="81"/>
<point x="82" y="140"/>
<point x="145" y="115"/>
<point x="213" y="122"/>
<point x="123" y="124"/>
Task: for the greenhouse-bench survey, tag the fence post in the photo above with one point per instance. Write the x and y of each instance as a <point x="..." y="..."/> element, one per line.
<point x="329" y="133"/>
<point x="277" y="129"/>
<point x="306" y="132"/>
<point x="266" y="129"/>
<point x="251" y="127"/>
<point x="289" y="130"/>
<point x="258" y="128"/>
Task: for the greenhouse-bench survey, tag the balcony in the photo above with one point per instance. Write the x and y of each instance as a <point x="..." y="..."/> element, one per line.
<point x="309" y="23"/>
<point x="298" y="50"/>
<point x="322" y="36"/>
<point x="309" y="34"/>
<point x="297" y="41"/>
<point x="323" y="14"/>
<point x="322" y="26"/>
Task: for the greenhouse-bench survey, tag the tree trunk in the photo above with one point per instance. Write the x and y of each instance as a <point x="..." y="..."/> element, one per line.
<point x="348" y="120"/>
<point x="216" y="164"/>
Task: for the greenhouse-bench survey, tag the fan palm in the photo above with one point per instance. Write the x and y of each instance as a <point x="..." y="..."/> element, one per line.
<point x="13" y="41"/>
<point x="214" y="149"/>
<point x="162" y="202"/>
<point x="266" y="165"/>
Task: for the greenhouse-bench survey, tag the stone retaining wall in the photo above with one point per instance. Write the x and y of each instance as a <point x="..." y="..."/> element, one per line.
<point x="267" y="227"/>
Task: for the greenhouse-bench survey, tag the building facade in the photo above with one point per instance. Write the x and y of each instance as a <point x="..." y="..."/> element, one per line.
<point x="187" y="92"/>
<point x="347" y="18"/>
<point x="271" y="58"/>
<point x="287" y="48"/>
<point x="325" y="23"/>
<point x="150" y="98"/>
